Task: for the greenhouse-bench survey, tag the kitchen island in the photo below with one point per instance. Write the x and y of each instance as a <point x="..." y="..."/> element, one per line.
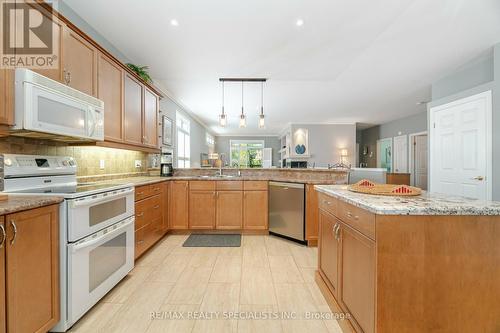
<point x="410" y="264"/>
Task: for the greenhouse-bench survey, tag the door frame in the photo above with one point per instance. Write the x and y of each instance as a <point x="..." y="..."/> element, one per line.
<point x="392" y="153"/>
<point x="411" y="160"/>
<point x="487" y="95"/>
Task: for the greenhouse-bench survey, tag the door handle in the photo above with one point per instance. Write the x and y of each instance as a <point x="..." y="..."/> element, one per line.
<point x="14" y="228"/>
<point x="480" y="178"/>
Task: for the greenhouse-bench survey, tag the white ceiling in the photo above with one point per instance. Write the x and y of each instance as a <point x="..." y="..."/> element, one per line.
<point x="352" y="60"/>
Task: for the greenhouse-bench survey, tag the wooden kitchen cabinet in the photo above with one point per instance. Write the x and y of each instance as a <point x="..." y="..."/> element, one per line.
<point x="229" y="210"/>
<point x="202" y="209"/>
<point x="133" y="110"/>
<point x="7" y="90"/>
<point x="179" y="204"/>
<point x="110" y="91"/>
<point x="312" y="218"/>
<point x="255" y="210"/>
<point x="3" y="319"/>
<point x="329" y="250"/>
<point x="165" y="204"/>
<point x="32" y="270"/>
<point x="357" y="275"/>
<point x="79" y="63"/>
<point x="150" y="123"/>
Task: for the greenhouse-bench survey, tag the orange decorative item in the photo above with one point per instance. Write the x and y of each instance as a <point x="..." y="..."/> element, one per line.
<point x="368" y="187"/>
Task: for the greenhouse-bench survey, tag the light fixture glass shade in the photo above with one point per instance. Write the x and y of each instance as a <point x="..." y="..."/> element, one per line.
<point x="262" y="122"/>
<point x="222" y="120"/>
<point x="243" y="120"/>
<point x="343" y="153"/>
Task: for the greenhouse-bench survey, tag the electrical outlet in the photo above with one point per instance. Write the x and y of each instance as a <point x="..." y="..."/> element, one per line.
<point x="101" y="164"/>
<point x="138" y="163"/>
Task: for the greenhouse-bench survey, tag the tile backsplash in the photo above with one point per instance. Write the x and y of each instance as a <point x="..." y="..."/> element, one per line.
<point x="116" y="161"/>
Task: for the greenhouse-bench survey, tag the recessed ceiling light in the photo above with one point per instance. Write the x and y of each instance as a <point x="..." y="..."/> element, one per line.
<point x="174" y="22"/>
<point x="299" y="23"/>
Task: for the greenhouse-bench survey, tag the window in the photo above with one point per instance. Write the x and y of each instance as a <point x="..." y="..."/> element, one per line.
<point x="183" y="142"/>
<point x="209" y="139"/>
<point x="246" y="153"/>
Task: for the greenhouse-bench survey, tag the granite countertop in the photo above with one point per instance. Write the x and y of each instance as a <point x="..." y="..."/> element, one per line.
<point x="425" y="204"/>
<point x="17" y="203"/>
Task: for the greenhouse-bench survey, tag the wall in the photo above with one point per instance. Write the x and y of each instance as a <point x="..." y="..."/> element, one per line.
<point x="222" y="145"/>
<point x="116" y="161"/>
<point x="479" y="75"/>
<point x="197" y="131"/>
<point x="404" y="126"/>
<point x="326" y="141"/>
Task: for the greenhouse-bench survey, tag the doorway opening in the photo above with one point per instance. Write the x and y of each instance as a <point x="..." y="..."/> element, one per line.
<point x="419" y="164"/>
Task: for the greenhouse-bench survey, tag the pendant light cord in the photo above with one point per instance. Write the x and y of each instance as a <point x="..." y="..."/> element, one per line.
<point x="222" y="97"/>
<point x="262" y="98"/>
<point x="242" y="98"/>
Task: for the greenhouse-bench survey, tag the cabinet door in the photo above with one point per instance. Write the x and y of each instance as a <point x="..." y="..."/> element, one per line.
<point x="150" y="118"/>
<point x="3" y="324"/>
<point x="255" y="212"/>
<point x="165" y="205"/>
<point x="178" y="197"/>
<point x="133" y="110"/>
<point x="329" y="250"/>
<point x="201" y="209"/>
<point x="110" y="90"/>
<point x="7" y="90"/>
<point x="79" y="63"/>
<point x="229" y="210"/>
<point x="33" y="270"/>
<point x="357" y="292"/>
<point x="312" y="209"/>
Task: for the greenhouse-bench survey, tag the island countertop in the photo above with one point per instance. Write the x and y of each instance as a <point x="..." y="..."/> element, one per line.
<point x="425" y="204"/>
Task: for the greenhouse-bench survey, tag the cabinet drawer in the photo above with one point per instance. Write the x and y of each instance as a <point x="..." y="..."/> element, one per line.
<point x="359" y="219"/>
<point x="328" y="203"/>
<point x="202" y="185"/>
<point x="141" y="209"/>
<point x="255" y="185"/>
<point x="142" y="192"/>
<point x="156" y="188"/>
<point x="229" y="185"/>
<point x="142" y="239"/>
<point x="155" y="207"/>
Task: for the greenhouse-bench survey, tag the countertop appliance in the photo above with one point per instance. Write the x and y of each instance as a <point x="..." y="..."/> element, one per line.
<point x="286" y="210"/>
<point x="96" y="224"/>
<point x="50" y="107"/>
<point x="166" y="162"/>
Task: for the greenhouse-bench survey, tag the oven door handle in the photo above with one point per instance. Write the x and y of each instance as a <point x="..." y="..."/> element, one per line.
<point x="100" y="199"/>
<point x="105" y="236"/>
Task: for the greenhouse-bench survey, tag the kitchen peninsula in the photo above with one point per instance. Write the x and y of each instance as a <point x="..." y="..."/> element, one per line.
<point x="410" y="264"/>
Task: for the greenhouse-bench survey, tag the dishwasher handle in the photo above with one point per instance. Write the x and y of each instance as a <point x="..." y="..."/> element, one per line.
<point x="287" y="185"/>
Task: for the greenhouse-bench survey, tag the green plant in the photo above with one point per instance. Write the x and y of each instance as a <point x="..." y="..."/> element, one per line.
<point x="142" y="71"/>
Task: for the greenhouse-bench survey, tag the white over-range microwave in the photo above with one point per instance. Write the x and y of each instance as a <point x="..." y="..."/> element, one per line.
<point x="47" y="106"/>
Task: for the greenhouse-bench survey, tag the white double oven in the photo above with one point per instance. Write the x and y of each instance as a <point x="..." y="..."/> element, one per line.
<point x="96" y="228"/>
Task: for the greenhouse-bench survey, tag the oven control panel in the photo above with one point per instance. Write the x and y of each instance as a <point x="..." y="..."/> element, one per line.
<point x="37" y="165"/>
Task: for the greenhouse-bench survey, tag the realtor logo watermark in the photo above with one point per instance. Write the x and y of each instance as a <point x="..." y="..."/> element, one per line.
<point x="28" y="37"/>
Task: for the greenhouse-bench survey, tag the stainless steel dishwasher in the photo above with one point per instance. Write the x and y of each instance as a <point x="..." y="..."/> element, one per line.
<point x="286" y="210"/>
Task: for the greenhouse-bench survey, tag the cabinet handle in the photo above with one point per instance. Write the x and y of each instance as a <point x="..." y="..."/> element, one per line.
<point x="156" y="207"/>
<point x="4" y="236"/>
<point x="140" y="242"/>
<point x="326" y="202"/>
<point x="349" y="215"/>
<point x="140" y="193"/>
<point x="14" y="228"/>
<point x="335" y="230"/>
<point x="140" y="214"/>
<point x="337" y="233"/>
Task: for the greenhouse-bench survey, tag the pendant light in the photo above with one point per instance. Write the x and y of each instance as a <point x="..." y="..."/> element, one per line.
<point x="222" y="116"/>
<point x="243" y="119"/>
<point x="261" y="116"/>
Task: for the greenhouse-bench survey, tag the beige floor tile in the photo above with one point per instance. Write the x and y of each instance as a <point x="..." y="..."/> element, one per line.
<point x="267" y="324"/>
<point x="184" y="250"/>
<point x="135" y="315"/>
<point x="221" y="297"/>
<point x="191" y="286"/>
<point x="253" y="240"/>
<point x="170" y="320"/>
<point x="231" y="251"/>
<point x="295" y="297"/>
<point x="317" y="296"/>
<point x="304" y="256"/>
<point x="308" y="274"/>
<point x="277" y="247"/>
<point x="284" y="270"/>
<point x="332" y="326"/>
<point x="255" y="256"/>
<point x="128" y="285"/>
<point x="171" y="268"/>
<point x="304" y="326"/>
<point x="215" y="326"/>
<point x="257" y="286"/>
<point x="156" y="256"/>
<point x="227" y="269"/>
<point x="175" y="240"/>
<point x="96" y="318"/>
<point x="203" y="257"/>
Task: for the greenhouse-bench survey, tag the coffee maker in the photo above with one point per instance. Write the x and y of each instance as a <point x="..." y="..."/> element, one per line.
<point x="166" y="162"/>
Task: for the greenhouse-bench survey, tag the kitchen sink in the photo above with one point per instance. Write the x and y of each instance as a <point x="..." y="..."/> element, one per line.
<point x="218" y="176"/>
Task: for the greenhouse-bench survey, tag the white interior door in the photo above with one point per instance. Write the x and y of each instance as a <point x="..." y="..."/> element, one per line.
<point x="400" y="154"/>
<point x="460" y="147"/>
<point x="420" y="165"/>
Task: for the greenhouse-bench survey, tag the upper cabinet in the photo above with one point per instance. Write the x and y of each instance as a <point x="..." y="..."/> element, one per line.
<point x="79" y="63"/>
<point x="110" y="90"/>
<point x="150" y="124"/>
<point x="133" y="110"/>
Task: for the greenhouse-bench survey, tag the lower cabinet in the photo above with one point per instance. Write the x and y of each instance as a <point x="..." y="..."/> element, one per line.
<point x="3" y="319"/>
<point x="202" y="209"/>
<point x="255" y="210"/>
<point x="30" y="270"/>
<point x="357" y="275"/>
<point x="329" y="245"/>
<point x="165" y="206"/>
<point x="179" y="205"/>
<point x="229" y="210"/>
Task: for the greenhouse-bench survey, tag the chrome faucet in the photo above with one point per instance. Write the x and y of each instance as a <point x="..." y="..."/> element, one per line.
<point x="221" y="164"/>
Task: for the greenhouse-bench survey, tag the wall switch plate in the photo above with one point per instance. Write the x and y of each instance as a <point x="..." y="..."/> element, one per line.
<point x="138" y="163"/>
<point x="101" y="164"/>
